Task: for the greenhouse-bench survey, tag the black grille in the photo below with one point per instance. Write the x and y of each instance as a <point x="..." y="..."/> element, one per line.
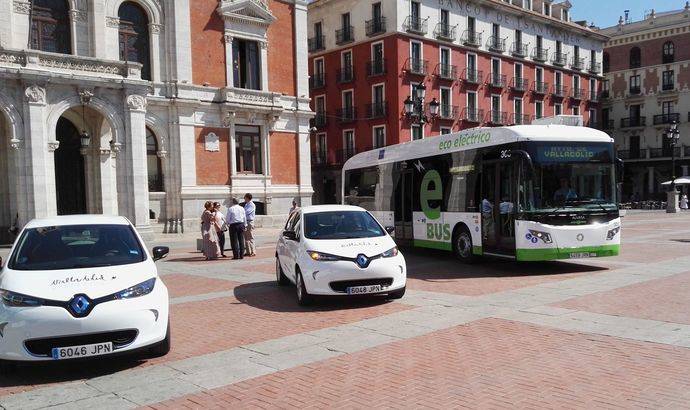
<point x="342" y="285"/>
<point x="43" y="347"/>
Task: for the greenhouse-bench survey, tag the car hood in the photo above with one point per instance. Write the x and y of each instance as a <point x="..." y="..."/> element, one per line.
<point x="350" y="248"/>
<point x="64" y="284"/>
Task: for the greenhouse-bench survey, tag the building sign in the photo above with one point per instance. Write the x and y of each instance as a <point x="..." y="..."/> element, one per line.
<point x="212" y="142"/>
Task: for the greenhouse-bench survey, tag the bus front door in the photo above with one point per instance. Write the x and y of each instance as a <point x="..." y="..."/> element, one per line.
<point x="498" y="207"/>
<point x="403" y="209"/>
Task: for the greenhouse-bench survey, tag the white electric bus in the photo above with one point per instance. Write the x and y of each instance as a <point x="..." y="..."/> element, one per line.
<point x="528" y="192"/>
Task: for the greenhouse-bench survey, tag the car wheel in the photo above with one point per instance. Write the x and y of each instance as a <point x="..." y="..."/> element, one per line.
<point x="163" y="347"/>
<point x="397" y="294"/>
<point x="280" y="275"/>
<point x="303" y="297"/>
<point x="462" y="245"/>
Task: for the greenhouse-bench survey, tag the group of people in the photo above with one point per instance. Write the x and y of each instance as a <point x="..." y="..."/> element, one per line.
<point x="238" y="222"/>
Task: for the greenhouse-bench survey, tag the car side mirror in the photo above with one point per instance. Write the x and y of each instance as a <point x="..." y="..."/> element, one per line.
<point x="290" y="235"/>
<point x="160" y="252"/>
<point x="390" y="230"/>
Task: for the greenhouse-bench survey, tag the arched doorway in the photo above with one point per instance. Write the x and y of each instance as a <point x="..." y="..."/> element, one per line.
<point x="70" y="181"/>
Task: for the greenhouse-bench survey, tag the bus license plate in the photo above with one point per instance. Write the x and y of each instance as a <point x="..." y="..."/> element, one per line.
<point x="361" y="290"/>
<point x="580" y="255"/>
<point x="72" y="352"/>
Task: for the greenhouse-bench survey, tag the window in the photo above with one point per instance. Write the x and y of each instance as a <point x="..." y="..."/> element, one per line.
<point x="667" y="80"/>
<point x="415" y="51"/>
<point x="446" y="109"/>
<point x="517" y="110"/>
<point x="445" y="20"/>
<point x="445" y="130"/>
<point x="527" y="4"/>
<point x="320" y="104"/>
<point x="50" y="26"/>
<point x="667" y="107"/>
<point x="417" y="132"/>
<point x="557" y="109"/>
<point x="668" y="53"/>
<point x="518" y="39"/>
<point x="346" y="71"/>
<point x="377" y="94"/>
<point x="606" y="62"/>
<point x="540" y="44"/>
<point x="376" y="12"/>
<point x="576" y="82"/>
<point x="134" y="36"/>
<point x="518" y="71"/>
<point x="635" y="57"/>
<point x="576" y="110"/>
<point x="539" y="75"/>
<point x="246" y="64"/>
<point x="496" y="32"/>
<point x="345" y="21"/>
<point x="634" y="84"/>
<point x="318" y="30"/>
<point x="592" y="87"/>
<point x="547" y="9"/>
<point x="319" y="68"/>
<point x="471" y="62"/>
<point x="153" y="163"/>
<point x="248" y="149"/>
<point x="576" y="52"/>
<point x="538" y="109"/>
<point x="379" y="137"/>
<point x="471" y="25"/>
<point x="592" y="117"/>
<point x="321" y="151"/>
<point x="341" y="225"/>
<point x="558" y="80"/>
<point x="472" y="101"/>
<point x="378" y="101"/>
<point x="559" y="49"/>
<point x="414" y="11"/>
<point x="349" y="143"/>
<point x="565" y="15"/>
<point x="347" y="100"/>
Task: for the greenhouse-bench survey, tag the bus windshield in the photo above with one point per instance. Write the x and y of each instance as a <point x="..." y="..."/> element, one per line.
<point x="571" y="176"/>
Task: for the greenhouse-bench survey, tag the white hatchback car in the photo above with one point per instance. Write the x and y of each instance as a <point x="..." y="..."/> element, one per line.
<point x="338" y="250"/>
<point x="80" y="286"/>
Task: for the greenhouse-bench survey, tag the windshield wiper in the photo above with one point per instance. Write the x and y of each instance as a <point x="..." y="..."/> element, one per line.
<point x="592" y="201"/>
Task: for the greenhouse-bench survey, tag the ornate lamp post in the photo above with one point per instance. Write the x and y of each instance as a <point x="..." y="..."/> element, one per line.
<point x="413" y="107"/>
<point x="673" y="135"/>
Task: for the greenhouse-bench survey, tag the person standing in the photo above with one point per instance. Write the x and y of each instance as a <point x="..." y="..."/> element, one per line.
<point x="250" y="214"/>
<point x="294" y="207"/>
<point x="684" y="202"/>
<point x="222" y="227"/>
<point x="236" y="220"/>
<point x="209" y="233"/>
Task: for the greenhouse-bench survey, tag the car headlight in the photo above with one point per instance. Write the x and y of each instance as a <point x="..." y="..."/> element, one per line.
<point x="612" y="233"/>
<point x="141" y="289"/>
<point x="12" y="299"/>
<point x="391" y="252"/>
<point x="322" y="257"/>
<point x="544" y="236"/>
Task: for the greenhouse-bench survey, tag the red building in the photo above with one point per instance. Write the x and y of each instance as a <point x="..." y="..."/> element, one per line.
<point x="535" y="62"/>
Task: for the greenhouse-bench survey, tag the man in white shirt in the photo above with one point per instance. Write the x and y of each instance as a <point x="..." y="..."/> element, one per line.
<point x="236" y="220"/>
<point x="250" y="213"/>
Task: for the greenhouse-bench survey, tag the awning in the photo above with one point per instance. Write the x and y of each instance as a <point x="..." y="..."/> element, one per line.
<point x="679" y="181"/>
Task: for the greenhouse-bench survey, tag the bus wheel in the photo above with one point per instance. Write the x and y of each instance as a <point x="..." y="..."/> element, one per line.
<point x="462" y="245"/>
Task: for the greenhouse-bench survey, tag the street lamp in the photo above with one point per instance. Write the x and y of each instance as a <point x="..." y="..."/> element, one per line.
<point x="413" y="106"/>
<point x="433" y="108"/>
<point x="673" y="135"/>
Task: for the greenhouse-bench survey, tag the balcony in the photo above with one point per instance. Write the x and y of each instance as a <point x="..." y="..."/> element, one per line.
<point x="519" y="119"/>
<point x="518" y="50"/>
<point x="686" y="151"/>
<point x="317" y="80"/>
<point x="343" y="155"/>
<point x="607" y="124"/>
<point x="320" y="119"/>
<point x="316" y="43"/>
<point x="519" y="84"/>
<point x="577" y="94"/>
<point x="665" y="152"/>
<point x="377" y="110"/>
<point x="577" y="63"/>
<point x="471" y="38"/>
<point x="448" y="112"/>
<point x="345" y="35"/>
<point x="375" y="26"/>
<point x="632" y="154"/>
<point x="346" y="114"/>
<point x="416" y="25"/>
<point x="498" y="117"/>
<point x="540" y="54"/>
<point x="633" y="122"/>
<point x="472" y="76"/>
<point x="447" y="72"/>
<point x="417" y="66"/>
<point x="604" y="94"/>
<point x="594" y="96"/>
<point x="445" y="32"/>
<point x="346" y="75"/>
<point x="376" y="67"/>
<point x="634" y="90"/>
<point x="496" y="44"/>
<point x="559" y="91"/>
<point x="559" y="59"/>
<point x="540" y="87"/>
<point x="472" y="115"/>
<point x="668" y="118"/>
<point x="497" y="80"/>
<point x="594" y="67"/>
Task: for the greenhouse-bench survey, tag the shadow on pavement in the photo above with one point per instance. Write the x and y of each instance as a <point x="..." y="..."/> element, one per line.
<point x="269" y="296"/>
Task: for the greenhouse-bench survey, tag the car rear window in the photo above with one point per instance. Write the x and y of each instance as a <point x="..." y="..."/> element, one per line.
<point x="341" y="225"/>
<point x="76" y="246"/>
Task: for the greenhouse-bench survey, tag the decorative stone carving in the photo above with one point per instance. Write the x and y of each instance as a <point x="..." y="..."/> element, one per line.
<point x="85" y="96"/>
<point x="229" y="118"/>
<point x="162" y="154"/>
<point x="22" y="7"/>
<point x="229" y="38"/>
<point x="104" y="151"/>
<point x="12" y="57"/>
<point x="115" y="148"/>
<point x="156" y="28"/>
<point x="136" y="102"/>
<point x="15" y="143"/>
<point x="263" y="45"/>
<point x="113" y="22"/>
<point x="53" y="145"/>
<point x="35" y="94"/>
<point x="212" y="142"/>
<point x="79" y="16"/>
<point x="83" y="64"/>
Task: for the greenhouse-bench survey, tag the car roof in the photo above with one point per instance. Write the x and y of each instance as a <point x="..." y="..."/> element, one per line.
<point x="330" y="208"/>
<point x="78" y="220"/>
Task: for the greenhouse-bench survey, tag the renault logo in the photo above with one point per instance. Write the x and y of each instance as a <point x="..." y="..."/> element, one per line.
<point x="362" y="260"/>
<point x="580" y="237"/>
<point x="80" y="305"/>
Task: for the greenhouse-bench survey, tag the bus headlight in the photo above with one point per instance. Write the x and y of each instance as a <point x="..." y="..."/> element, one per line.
<point x="612" y="233"/>
<point x="544" y="236"/>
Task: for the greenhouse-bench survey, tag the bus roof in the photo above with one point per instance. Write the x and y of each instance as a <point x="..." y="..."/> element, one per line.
<point x="475" y="138"/>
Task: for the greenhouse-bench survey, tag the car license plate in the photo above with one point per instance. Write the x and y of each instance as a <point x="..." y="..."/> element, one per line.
<point x="580" y="255"/>
<point x="72" y="352"/>
<point x="361" y="290"/>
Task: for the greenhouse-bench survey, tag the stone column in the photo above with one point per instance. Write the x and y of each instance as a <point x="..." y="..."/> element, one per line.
<point x="100" y="26"/>
<point x="41" y="200"/>
<point x="155" y="41"/>
<point x="181" y="50"/>
<point x="108" y="181"/>
<point x="304" y="158"/>
<point x="183" y="141"/>
<point x="134" y="162"/>
<point x="264" y="65"/>
<point x="229" y="121"/>
<point x="229" y="72"/>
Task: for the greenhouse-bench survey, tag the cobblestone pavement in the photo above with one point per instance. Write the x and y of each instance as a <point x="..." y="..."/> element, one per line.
<point x="600" y="333"/>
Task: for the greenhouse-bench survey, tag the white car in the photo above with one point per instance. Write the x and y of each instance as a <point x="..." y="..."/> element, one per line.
<point x="80" y="286"/>
<point x="338" y="250"/>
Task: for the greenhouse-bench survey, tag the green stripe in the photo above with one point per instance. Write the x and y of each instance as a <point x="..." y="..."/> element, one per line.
<point x="564" y="253"/>
<point x="477" y="250"/>
<point x="422" y="243"/>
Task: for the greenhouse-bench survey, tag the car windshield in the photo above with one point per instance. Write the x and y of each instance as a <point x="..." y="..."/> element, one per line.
<point x="572" y="177"/>
<point x="341" y="225"/>
<point x="76" y="246"/>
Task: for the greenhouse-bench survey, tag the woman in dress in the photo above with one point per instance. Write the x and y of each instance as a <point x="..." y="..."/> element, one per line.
<point x="222" y="227"/>
<point x="209" y="232"/>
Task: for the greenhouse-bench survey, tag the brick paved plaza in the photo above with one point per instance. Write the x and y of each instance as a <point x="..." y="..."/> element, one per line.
<point x="599" y="333"/>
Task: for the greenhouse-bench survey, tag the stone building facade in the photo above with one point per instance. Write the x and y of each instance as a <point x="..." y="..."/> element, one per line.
<point x="183" y="101"/>
<point x="647" y="87"/>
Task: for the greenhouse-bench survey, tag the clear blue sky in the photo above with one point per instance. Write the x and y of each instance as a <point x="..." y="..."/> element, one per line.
<point x="605" y="13"/>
